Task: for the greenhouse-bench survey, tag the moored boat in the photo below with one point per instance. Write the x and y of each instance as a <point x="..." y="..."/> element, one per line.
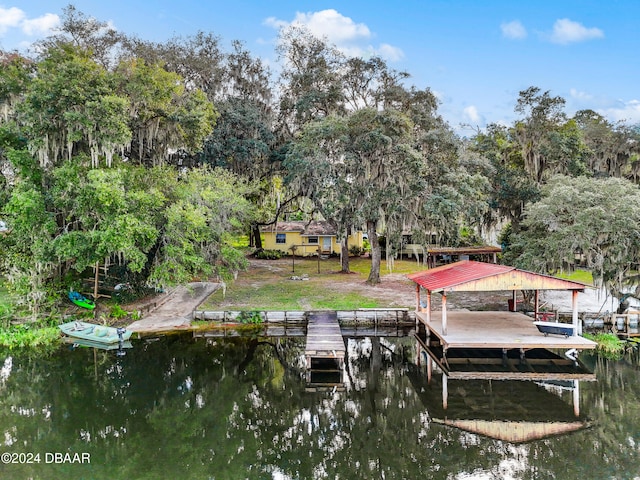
<point x="95" y="333"/>
<point x="555" y="328"/>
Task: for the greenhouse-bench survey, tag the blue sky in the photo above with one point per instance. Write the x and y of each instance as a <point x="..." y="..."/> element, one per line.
<point x="476" y="55"/>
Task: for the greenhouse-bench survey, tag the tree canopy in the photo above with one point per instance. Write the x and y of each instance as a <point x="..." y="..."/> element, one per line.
<point x="151" y="155"/>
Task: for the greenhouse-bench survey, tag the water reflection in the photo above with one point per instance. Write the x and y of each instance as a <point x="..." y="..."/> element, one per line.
<point x="227" y="408"/>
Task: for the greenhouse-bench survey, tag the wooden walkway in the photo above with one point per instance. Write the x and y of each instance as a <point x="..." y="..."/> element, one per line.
<point x="324" y="339"/>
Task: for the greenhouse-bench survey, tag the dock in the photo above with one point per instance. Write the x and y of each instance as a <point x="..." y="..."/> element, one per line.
<point x="499" y="329"/>
<point x="324" y="352"/>
<point x="499" y="345"/>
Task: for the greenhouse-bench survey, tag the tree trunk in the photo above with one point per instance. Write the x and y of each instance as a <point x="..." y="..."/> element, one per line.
<point x="344" y="255"/>
<point x="256" y="239"/>
<point x="374" y="273"/>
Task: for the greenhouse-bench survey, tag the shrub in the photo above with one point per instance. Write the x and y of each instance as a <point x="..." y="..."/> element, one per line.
<point x="118" y="312"/>
<point x="355" y="250"/>
<point x="252" y="317"/>
<point x="269" y="254"/>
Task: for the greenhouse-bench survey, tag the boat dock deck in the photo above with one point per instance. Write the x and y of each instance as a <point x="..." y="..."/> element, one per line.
<point x="495" y="330"/>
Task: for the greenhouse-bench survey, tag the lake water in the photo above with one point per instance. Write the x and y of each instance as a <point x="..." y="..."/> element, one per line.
<point x="180" y="407"/>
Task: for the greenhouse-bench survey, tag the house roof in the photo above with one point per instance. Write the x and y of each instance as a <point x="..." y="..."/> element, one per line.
<point x="309" y="228"/>
<point x="472" y="276"/>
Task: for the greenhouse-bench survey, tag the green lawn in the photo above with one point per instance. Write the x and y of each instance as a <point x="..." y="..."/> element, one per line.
<point x="582" y="276"/>
<point x="271" y="287"/>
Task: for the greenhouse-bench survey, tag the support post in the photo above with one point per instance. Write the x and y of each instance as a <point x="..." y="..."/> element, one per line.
<point x="95" y="281"/>
<point x="444" y="313"/>
<point x="577" y="327"/>
<point x="445" y="392"/>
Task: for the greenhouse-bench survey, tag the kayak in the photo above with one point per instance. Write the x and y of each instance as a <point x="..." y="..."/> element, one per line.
<point x="95" y="333"/>
<point x="81" y="301"/>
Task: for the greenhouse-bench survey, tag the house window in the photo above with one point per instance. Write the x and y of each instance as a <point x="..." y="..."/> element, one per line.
<point x="281" y="238"/>
<point x="313" y="240"/>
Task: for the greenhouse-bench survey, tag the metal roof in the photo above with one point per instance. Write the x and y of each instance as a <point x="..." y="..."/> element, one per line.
<point x="308" y="228"/>
<point x="469" y="275"/>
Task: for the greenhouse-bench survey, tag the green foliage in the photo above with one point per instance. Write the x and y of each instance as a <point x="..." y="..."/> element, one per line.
<point x="609" y="345"/>
<point x="117" y="312"/>
<point x="29" y="337"/>
<point x="593" y="216"/>
<point x="269" y="254"/>
<point x="160" y="227"/>
<point x="250" y="317"/>
<point x="356" y="251"/>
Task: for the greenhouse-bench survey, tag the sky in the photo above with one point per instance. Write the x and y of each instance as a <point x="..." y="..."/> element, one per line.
<point x="475" y="55"/>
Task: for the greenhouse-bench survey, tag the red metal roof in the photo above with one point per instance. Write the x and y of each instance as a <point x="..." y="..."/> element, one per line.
<point x="480" y="276"/>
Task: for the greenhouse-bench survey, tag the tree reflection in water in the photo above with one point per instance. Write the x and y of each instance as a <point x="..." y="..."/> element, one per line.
<point x="180" y="407"/>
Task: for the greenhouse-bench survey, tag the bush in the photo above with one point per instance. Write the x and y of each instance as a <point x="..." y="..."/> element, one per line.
<point x="24" y="336"/>
<point x="355" y="250"/>
<point x="251" y="317"/>
<point x="118" y="312"/>
<point x="269" y="254"/>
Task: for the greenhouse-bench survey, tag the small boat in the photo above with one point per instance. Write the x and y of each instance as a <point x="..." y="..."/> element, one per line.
<point x="81" y="301"/>
<point x="555" y="328"/>
<point x="95" y="333"/>
<point x="75" y="342"/>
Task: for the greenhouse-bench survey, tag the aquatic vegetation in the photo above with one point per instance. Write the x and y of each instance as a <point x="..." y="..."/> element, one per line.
<point x="609" y="345"/>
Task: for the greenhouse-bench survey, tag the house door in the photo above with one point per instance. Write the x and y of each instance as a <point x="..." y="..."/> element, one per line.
<point x="326" y="244"/>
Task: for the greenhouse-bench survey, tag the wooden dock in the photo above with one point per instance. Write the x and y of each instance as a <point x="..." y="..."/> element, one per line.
<point x="324" y="339"/>
<point x="496" y="330"/>
<point x="324" y="353"/>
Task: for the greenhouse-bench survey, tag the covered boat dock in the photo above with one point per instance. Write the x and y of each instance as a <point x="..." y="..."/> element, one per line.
<point x="502" y="330"/>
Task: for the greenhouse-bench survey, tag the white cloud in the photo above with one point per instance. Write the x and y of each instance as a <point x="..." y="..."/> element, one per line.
<point x="350" y="37"/>
<point x="567" y="31"/>
<point x="628" y="112"/>
<point x="41" y="25"/>
<point x="390" y="52"/>
<point x="471" y="114"/>
<point x="513" y="30"/>
<point x="333" y="25"/>
<point x="580" y="95"/>
<point x="14" y="20"/>
<point x="10" y="18"/>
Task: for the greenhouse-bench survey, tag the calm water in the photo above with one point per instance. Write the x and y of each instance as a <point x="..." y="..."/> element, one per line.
<point x="197" y="408"/>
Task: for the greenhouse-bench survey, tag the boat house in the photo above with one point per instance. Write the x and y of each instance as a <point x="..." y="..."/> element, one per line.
<point x="506" y="338"/>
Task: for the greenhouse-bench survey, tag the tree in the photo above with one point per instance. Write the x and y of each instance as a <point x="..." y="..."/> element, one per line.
<point x="360" y="167"/>
<point x="85" y="33"/>
<point x="543" y="115"/>
<point x="612" y="149"/>
<point x="512" y="187"/>
<point x="310" y="81"/>
<point x="161" y="227"/>
<point x="598" y="217"/>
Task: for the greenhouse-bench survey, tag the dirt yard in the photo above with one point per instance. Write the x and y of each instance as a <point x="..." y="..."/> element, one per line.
<point x="395" y="289"/>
